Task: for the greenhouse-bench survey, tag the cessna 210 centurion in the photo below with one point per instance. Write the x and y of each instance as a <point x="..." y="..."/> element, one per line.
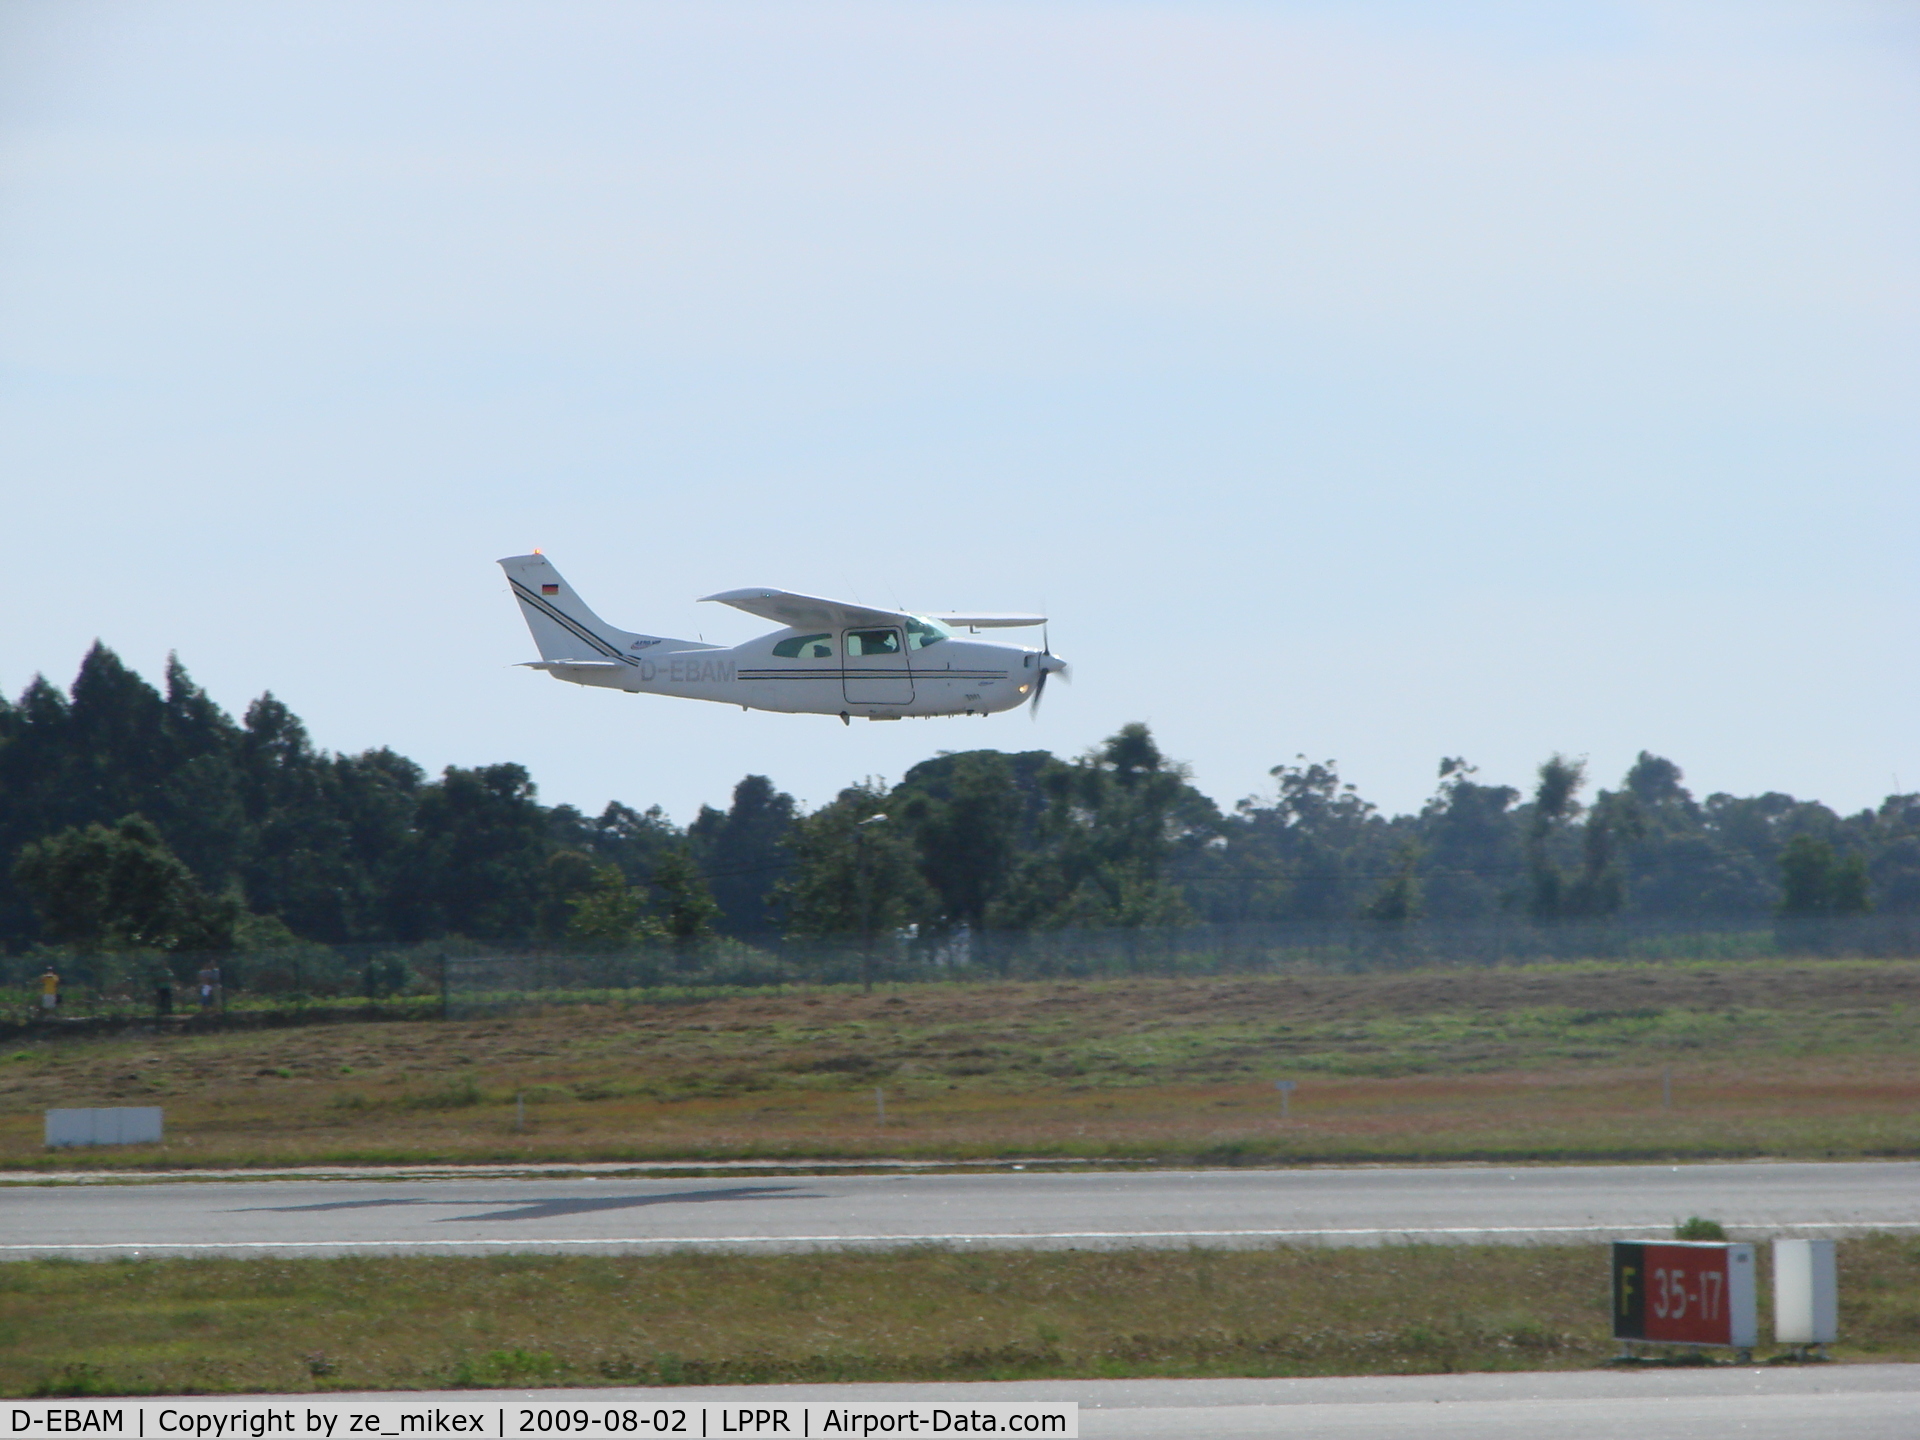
<point x="833" y="658"/>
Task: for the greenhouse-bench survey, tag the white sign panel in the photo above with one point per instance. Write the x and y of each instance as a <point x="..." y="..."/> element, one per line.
<point x="122" y="1125"/>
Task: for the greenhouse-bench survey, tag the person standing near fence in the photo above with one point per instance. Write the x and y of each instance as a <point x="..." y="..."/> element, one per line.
<point x="50" y="990"/>
<point x="209" y="981"/>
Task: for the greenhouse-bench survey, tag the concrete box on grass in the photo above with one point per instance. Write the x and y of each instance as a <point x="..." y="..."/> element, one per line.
<point x="1679" y="1292"/>
<point x="123" y="1125"/>
<point x="1806" y="1293"/>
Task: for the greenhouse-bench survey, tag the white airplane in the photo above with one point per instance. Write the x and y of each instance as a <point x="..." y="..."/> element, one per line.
<point x="833" y="658"/>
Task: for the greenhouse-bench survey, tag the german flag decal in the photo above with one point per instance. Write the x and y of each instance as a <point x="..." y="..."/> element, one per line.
<point x="549" y="589"/>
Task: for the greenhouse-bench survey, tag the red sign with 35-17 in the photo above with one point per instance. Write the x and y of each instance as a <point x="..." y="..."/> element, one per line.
<point x="1684" y="1293"/>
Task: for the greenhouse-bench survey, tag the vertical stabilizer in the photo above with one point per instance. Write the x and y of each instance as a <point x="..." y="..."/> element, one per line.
<point x="562" y="625"/>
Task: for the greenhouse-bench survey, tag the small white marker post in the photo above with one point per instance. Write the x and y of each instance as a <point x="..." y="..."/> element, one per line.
<point x="1285" y="1087"/>
<point x="1806" y="1295"/>
<point x="519" y="1110"/>
<point x="1666" y="1088"/>
<point x="880" y="1105"/>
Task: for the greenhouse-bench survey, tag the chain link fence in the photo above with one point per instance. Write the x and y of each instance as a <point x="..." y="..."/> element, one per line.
<point x="500" y="981"/>
<point x="466" y="978"/>
<point x="290" y="982"/>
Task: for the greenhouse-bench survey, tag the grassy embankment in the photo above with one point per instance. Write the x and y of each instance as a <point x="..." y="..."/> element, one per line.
<point x="176" y="1326"/>
<point x="1814" y="1059"/>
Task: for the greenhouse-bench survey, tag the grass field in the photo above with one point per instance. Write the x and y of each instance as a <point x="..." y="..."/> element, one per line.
<point x="1555" y="1062"/>
<point x="178" y="1326"/>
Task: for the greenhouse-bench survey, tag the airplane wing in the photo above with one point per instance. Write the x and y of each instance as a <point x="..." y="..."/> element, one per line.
<point x="805" y="611"/>
<point x="787" y="608"/>
<point x="977" y="620"/>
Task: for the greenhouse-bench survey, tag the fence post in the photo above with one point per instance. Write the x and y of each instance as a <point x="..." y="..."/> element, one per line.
<point x="445" y="1005"/>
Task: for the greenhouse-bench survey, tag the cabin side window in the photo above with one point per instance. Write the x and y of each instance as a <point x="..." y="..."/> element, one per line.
<point x="873" y="642"/>
<point x="805" y="647"/>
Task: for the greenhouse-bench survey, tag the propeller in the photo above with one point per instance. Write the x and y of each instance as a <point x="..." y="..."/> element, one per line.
<point x="1049" y="663"/>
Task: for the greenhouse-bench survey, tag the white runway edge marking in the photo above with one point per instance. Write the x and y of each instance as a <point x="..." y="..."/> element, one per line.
<point x="1410" y="1234"/>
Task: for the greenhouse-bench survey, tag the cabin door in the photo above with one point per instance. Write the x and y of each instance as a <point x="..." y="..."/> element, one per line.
<point x="876" y="667"/>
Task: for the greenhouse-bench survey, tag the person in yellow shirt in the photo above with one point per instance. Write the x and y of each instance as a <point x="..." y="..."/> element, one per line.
<point x="49" y="989"/>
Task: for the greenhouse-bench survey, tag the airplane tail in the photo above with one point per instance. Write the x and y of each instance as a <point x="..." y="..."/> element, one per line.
<point x="563" y="627"/>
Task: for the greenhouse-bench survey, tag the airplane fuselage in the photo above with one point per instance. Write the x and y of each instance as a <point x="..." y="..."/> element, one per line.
<point x="873" y="671"/>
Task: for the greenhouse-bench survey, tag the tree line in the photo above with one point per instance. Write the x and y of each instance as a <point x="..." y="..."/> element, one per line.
<point x="135" y="817"/>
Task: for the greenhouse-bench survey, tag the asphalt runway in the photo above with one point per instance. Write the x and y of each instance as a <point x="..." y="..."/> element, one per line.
<point x="1860" y="1402"/>
<point x="991" y="1210"/>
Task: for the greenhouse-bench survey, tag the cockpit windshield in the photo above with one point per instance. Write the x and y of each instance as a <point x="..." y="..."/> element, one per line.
<point x="922" y="632"/>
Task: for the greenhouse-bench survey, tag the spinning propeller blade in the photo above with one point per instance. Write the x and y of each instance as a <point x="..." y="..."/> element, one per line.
<point x="1049" y="662"/>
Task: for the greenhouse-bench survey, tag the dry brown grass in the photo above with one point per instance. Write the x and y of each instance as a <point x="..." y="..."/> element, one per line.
<point x="1560" y="1062"/>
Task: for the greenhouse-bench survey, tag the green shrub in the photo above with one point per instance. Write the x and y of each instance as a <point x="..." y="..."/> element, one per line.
<point x="1694" y="1227"/>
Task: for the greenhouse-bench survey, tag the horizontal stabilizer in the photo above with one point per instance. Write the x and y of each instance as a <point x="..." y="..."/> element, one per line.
<point x="570" y="665"/>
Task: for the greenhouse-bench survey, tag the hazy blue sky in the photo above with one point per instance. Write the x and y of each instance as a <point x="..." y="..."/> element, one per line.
<point x="1376" y="381"/>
